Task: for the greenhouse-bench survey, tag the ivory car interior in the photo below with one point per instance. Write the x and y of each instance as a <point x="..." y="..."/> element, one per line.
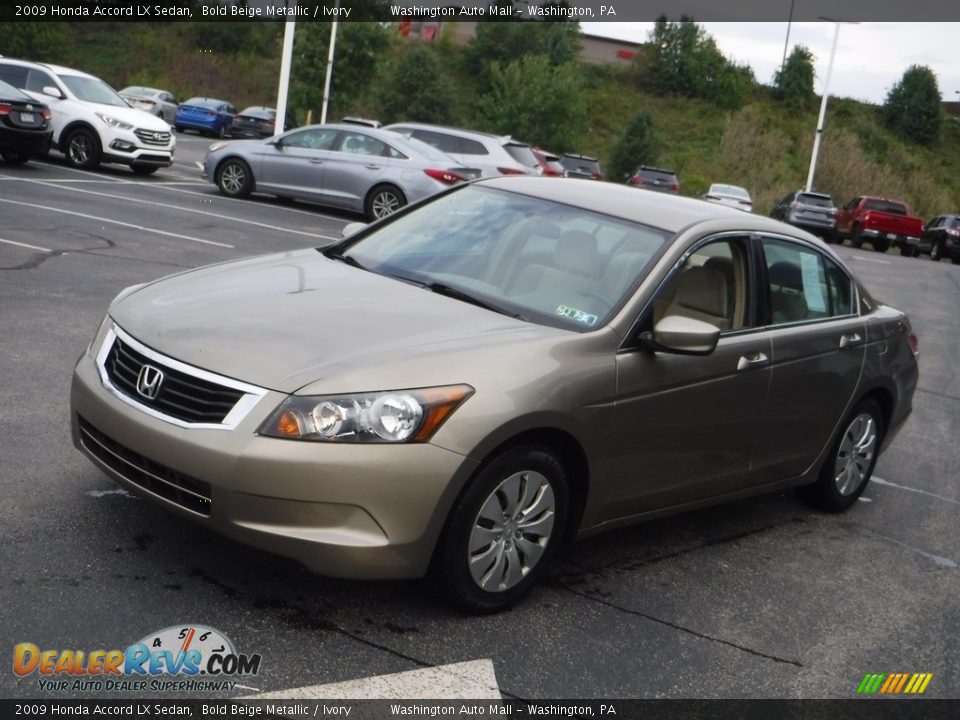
<point x="461" y="386"/>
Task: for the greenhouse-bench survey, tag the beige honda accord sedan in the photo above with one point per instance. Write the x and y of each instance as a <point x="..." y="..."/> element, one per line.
<point x="459" y="388"/>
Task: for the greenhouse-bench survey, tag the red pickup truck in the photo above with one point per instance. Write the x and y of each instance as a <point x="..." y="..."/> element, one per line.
<point x="880" y="222"/>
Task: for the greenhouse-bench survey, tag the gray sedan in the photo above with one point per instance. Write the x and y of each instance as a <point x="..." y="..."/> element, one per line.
<point x="156" y="102"/>
<point x="363" y="169"/>
<point x="460" y="388"/>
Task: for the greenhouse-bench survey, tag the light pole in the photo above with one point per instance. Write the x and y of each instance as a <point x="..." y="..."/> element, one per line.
<point x="823" y="101"/>
<point x="786" y="42"/>
<point x="333" y="45"/>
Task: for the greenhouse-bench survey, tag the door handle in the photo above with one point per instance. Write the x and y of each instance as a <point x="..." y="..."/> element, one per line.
<point x="849" y="340"/>
<point x="316" y="162"/>
<point x="372" y="167"/>
<point x="752" y="360"/>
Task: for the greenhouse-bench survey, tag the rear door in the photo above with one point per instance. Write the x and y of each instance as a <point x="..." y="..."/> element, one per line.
<point x="818" y="341"/>
<point x="357" y="162"/>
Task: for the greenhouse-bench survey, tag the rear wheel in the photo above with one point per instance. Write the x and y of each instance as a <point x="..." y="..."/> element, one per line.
<point x="384" y="200"/>
<point x="852" y="457"/>
<point x="503" y="531"/>
<point x="15" y="158"/>
<point x="83" y="149"/>
<point x="234" y="178"/>
<point x="881" y="246"/>
<point x="856" y="237"/>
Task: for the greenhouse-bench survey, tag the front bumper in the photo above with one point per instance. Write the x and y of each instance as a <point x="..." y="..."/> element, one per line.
<point x="128" y="148"/>
<point x="354" y="511"/>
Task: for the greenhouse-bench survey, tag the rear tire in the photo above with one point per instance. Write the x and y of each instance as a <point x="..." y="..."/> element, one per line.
<point x="234" y="178"/>
<point x="851" y="459"/>
<point x="15" y="158"/>
<point x="82" y="149"/>
<point x="881" y="246"/>
<point x="502" y="532"/>
<point x="856" y="237"/>
<point x="383" y="200"/>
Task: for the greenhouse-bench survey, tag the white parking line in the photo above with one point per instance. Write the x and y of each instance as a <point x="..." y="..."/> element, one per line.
<point x="117" y="222"/>
<point x="473" y="680"/>
<point x="275" y="207"/>
<point x="182" y="209"/>
<point x="25" y="245"/>
<point x="870" y="259"/>
<point x="881" y="481"/>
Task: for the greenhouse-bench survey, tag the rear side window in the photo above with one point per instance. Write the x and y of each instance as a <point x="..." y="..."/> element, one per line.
<point x="14" y="74"/>
<point x="803" y="284"/>
<point x="522" y="154"/>
<point x="359" y="144"/>
<point x="441" y="141"/>
<point x="472" y="147"/>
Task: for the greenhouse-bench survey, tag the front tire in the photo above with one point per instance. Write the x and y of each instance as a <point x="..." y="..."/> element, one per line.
<point x="502" y="532"/>
<point x="83" y="149"/>
<point x="234" y="178"/>
<point x="384" y="200"/>
<point x="936" y="252"/>
<point x="851" y="460"/>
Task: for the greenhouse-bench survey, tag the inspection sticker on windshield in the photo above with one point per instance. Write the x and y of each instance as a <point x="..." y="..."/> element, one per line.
<point x="577" y="315"/>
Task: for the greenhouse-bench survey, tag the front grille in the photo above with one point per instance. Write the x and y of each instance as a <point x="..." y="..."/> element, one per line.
<point x="183" y="490"/>
<point x="151" y="137"/>
<point x="181" y="396"/>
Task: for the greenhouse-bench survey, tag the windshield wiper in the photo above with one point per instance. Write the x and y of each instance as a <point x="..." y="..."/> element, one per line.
<point x="458" y="294"/>
<point x="348" y="259"/>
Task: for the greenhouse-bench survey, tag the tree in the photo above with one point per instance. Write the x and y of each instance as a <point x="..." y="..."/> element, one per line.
<point x="504" y="42"/>
<point x="40" y="41"/>
<point x="912" y="109"/>
<point x="414" y="87"/>
<point x="535" y="101"/>
<point x="636" y="146"/>
<point x="359" y="48"/>
<point x="686" y="61"/>
<point x="794" y="81"/>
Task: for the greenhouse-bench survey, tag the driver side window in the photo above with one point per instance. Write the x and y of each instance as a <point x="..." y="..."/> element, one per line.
<point x="319" y="139"/>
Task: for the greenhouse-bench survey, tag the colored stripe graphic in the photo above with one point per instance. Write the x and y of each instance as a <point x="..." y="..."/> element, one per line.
<point x="894" y="683"/>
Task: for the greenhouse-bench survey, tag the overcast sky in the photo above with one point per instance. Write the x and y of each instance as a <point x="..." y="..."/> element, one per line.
<point x="871" y="57"/>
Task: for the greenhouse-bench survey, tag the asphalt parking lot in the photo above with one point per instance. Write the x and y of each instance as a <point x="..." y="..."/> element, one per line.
<point x="762" y="598"/>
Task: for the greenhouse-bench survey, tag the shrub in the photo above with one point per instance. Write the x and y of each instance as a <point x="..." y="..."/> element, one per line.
<point x="637" y="145"/>
<point x="912" y="109"/>
<point x="414" y="87"/>
<point x="794" y="81"/>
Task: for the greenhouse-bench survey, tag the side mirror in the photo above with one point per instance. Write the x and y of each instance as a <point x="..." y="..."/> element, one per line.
<point x="682" y="336"/>
<point x="53" y="92"/>
<point x="352" y="229"/>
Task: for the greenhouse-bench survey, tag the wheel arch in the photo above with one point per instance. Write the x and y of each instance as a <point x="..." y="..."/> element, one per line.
<point x="219" y="167"/>
<point x="379" y="186"/>
<point x="76" y="125"/>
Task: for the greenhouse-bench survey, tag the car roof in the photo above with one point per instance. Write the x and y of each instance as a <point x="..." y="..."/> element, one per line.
<point x="811" y="193"/>
<point x="55" y="69"/>
<point x="660" y="210"/>
<point x="461" y="131"/>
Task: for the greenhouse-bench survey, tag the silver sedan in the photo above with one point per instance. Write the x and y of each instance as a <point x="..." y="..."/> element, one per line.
<point x="367" y="170"/>
<point x="156" y="102"/>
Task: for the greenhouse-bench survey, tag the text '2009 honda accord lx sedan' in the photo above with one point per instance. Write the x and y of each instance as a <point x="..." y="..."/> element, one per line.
<point x="458" y="388"/>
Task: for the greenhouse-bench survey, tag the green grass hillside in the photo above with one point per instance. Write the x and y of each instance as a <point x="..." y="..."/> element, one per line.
<point x="762" y="146"/>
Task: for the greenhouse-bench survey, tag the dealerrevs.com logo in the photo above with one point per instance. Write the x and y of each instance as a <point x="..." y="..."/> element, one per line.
<point x="180" y="658"/>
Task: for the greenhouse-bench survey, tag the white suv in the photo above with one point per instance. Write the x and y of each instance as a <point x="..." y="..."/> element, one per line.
<point x="492" y="155"/>
<point x="91" y="123"/>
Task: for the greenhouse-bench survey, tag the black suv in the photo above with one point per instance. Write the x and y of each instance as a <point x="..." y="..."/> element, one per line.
<point x="813" y="212"/>
<point x="651" y="178"/>
<point x="582" y="166"/>
<point x="941" y="238"/>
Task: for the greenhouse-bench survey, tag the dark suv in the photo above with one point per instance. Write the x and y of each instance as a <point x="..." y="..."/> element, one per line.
<point x="813" y="212"/>
<point x="651" y="178"/>
<point x="581" y="166"/>
<point x="941" y="238"/>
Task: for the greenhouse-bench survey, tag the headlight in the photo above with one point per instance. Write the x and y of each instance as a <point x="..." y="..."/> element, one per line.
<point x="393" y="416"/>
<point x="114" y="123"/>
<point x="218" y="146"/>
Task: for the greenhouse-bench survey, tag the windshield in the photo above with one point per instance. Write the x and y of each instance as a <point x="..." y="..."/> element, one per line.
<point x="540" y="260"/>
<point x="90" y="89"/>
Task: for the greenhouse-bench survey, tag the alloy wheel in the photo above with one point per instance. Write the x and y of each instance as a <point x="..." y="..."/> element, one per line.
<point x="855" y="454"/>
<point x="232" y="178"/>
<point x="81" y="148"/>
<point x="511" y="531"/>
<point x="384" y="203"/>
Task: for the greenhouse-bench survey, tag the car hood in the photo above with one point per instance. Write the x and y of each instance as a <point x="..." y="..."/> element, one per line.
<point x="137" y="118"/>
<point x="284" y="321"/>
